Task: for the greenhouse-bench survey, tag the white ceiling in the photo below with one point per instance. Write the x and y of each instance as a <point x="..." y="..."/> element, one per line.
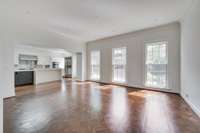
<point x="36" y="21"/>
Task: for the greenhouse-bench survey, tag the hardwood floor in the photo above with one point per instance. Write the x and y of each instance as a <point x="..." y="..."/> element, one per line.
<point x="86" y="107"/>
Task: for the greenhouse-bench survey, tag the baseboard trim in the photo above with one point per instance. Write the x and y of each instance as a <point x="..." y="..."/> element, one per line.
<point x="9" y="97"/>
<point x="193" y="107"/>
<point x="43" y="83"/>
<point x="134" y="87"/>
<point x="77" y="80"/>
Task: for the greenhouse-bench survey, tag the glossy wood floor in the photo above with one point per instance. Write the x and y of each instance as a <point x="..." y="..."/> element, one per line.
<point x="85" y="107"/>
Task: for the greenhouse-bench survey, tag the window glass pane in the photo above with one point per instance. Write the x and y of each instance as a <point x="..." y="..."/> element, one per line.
<point x="95" y="65"/>
<point x="119" y="64"/>
<point x="156" y="65"/>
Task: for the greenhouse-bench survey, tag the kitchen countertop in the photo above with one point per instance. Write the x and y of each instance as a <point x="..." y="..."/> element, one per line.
<point x="48" y="69"/>
<point x="41" y="69"/>
<point x="26" y="70"/>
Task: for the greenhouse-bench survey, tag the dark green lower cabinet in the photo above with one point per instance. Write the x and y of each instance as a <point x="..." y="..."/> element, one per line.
<point x="24" y="78"/>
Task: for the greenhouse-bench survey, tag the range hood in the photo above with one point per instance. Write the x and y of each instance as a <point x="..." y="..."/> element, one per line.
<point x="28" y="57"/>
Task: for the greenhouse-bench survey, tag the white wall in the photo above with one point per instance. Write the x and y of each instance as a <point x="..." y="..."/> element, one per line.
<point x="45" y="55"/>
<point x="74" y="65"/>
<point x="84" y="62"/>
<point x="1" y="115"/>
<point x="190" y="54"/>
<point x="29" y="51"/>
<point x="7" y="67"/>
<point x="7" y="73"/>
<point x="77" y="66"/>
<point x="135" y="43"/>
<point x="1" y="89"/>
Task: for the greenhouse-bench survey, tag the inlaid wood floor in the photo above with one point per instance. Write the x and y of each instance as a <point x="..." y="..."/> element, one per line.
<point x="85" y="107"/>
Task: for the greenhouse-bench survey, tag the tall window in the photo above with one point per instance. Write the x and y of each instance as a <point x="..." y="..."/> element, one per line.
<point x="119" y="64"/>
<point x="95" y="65"/>
<point x="156" y="65"/>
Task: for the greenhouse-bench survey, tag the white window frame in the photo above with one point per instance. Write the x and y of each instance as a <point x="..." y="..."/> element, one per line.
<point x="91" y="77"/>
<point x="145" y="67"/>
<point x="114" y="81"/>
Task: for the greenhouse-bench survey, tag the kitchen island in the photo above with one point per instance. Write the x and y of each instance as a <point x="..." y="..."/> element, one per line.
<point x="37" y="76"/>
<point x="47" y="75"/>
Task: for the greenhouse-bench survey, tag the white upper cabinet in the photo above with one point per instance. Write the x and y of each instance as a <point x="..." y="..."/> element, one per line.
<point x="44" y="60"/>
<point x="16" y="58"/>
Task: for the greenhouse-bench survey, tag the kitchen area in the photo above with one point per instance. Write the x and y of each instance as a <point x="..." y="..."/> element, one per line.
<point x="34" y="65"/>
